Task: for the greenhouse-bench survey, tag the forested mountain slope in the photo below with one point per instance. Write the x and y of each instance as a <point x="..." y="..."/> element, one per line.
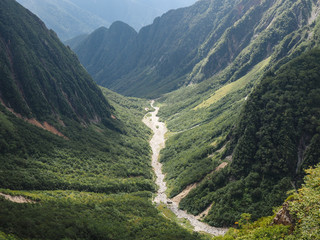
<point x="298" y="218"/>
<point x="209" y="126"/>
<point x="88" y="175"/>
<point x="40" y="77"/>
<point x="275" y="139"/>
<point x="44" y="86"/>
<point x="218" y="55"/>
<point x="192" y="44"/>
<point x="243" y="126"/>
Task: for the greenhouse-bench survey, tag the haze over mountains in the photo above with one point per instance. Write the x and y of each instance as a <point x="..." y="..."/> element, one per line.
<point x="70" y="18"/>
<point x="191" y="44"/>
<point x="238" y="86"/>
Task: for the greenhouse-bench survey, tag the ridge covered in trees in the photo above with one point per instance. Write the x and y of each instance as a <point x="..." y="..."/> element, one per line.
<point x="243" y="122"/>
<point x="189" y="45"/>
<point x="95" y="182"/>
<point x="275" y="139"/>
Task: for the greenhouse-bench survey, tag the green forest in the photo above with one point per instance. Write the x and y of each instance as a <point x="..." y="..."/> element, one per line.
<point x="279" y="120"/>
<point x="85" y="215"/>
<point x="92" y="181"/>
<point x="96" y="185"/>
<point x="303" y="206"/>
<point x="238" y="87"/>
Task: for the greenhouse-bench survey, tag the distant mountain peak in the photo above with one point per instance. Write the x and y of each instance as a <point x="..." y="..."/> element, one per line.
<point x="121" y="25"/>
<point x="192" y="44"/>
<point x="71" y="18"/>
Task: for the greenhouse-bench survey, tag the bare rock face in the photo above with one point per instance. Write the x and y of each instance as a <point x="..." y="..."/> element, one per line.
<point x="283" y="216"/>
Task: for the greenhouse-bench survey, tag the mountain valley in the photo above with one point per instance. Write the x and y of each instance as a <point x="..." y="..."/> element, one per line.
<point x="237" y="84"/>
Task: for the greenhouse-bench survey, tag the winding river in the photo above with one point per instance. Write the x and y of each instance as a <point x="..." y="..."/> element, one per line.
<point x="157" y="143"/>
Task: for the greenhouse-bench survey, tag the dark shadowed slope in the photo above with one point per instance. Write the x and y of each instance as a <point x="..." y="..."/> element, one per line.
<point x="40" y="77"/>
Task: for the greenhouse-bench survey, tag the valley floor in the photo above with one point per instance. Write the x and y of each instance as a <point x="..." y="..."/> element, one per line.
<point x="157" y="143"/>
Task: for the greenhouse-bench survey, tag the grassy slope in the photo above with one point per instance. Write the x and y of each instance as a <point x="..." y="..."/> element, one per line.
<point x="201" y="129"/>
<point x="196" y="133"/>
<point x="234" y="86"/>
<point x="192" y="154"/>
<point x="94" y="158"/>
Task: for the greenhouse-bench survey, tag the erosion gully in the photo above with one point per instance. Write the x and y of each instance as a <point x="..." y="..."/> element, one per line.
<point x="157" y="143"/>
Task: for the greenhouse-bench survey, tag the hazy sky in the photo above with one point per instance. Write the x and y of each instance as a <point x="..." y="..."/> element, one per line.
<point x="70" y="18"/>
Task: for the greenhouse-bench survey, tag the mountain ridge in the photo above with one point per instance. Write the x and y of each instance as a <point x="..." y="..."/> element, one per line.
<point x="44" y="81"/>
<point x="242" y="114"/>
<point x="70" y="18"/>
<point x="207" y="38"/>
<point x="97" y="182"/>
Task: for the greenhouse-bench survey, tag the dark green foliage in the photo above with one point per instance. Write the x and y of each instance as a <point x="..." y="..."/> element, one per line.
<point x="93" y="159"/>
<point x="303" y="206"/>
<point x="284" y="121"/>
<point x="75" y="215"/>
<point x="40" y="77"/>
<point x="274" y="140"/>
<point x="105" y="149"/>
